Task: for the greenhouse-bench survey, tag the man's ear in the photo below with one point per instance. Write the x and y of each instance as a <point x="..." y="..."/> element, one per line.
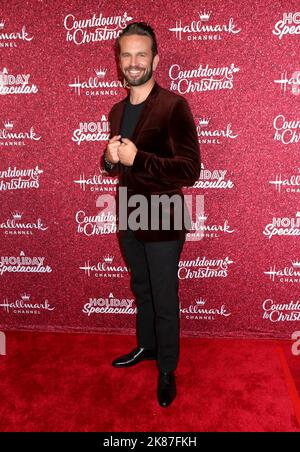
<point x="155" y="62"/>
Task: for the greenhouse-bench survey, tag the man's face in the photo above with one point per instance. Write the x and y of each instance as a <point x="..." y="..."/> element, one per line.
<point x="136" y="59"/>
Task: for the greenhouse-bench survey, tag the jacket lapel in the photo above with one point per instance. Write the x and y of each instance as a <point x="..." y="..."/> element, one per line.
<point x="117" y="117"/>
<point x="146" y="111"/>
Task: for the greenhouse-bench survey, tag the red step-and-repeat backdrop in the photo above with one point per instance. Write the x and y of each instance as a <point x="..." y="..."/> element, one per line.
<point x="237" y="64"/>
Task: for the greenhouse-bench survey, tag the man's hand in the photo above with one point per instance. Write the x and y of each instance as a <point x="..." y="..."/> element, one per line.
<point x="111" y="152"/>
<point x="127" y="151"/>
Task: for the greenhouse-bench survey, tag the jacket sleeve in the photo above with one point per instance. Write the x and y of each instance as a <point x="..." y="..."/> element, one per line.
<point x="184" y="167"/>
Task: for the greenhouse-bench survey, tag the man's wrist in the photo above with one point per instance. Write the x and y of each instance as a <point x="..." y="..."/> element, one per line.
<point x="110" y="164"/>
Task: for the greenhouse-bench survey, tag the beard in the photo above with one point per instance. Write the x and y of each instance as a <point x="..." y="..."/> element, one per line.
<point x="141" y="80"/>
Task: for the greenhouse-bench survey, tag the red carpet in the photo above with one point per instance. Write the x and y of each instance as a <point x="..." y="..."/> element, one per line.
<point x="65" y="382"/>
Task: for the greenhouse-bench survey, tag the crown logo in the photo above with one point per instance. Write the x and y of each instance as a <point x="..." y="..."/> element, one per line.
<point x="205" y="15"/>
<point x="101" y="72"/>
<point x="234" y="69"/>
<point x="202" y="217"/>
<point x="25" y="296"/>
<point x="8" y="125"/>
<point x="203" y="122"/>
<point x="128" y="18"/>
<point x="2" y="24"/>
<point x="17" y="215"/>
<point x="296" y="264"/>
<point x="108" y="259"/>
<point x="200" y="301"/>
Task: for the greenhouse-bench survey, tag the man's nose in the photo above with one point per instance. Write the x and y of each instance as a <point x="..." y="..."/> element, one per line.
<point x="133" y="61"/>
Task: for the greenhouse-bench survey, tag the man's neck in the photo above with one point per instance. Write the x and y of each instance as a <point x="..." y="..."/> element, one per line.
<point x="140" y="93"/>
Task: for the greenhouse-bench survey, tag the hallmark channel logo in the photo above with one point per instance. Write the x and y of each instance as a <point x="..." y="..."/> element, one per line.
<point x="109" y="305"/>
<point x="90" y="225"/>
<point x="202" y="78"/>
<point x="213" y="179"/>
<point x="106" y="268"/>
<point x="289" y="82"/>
<point x="16" y="225"/>
<point x="283" y="226"/>
<point x="19" y="179"/>
<point x="23" y="264"/>
<point x="288" y="25"/>
<point x="88" y="132"/>
<point x="287" y="275"/>
<point x="25" y="306"/>
<point x="281" y="312"/>
<point x="98" y="183"/>
<point x="287" y="183"/>
<point x="10" y="38"/>
<point x="15" y="84"/>
<point x="9" y="137"/>
<point x="286" y="132"/>
<point x="204" y="268"/>
<point x="203" y="229"/>
<point x="199" y="311"/>
<point x="201" y="29"/>
<point x="97" y="85"/>
<point x="94" y="29"/>
<point x="210" y="135"/>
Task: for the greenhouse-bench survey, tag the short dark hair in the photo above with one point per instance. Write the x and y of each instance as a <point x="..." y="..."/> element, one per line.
<point x="138" y="28"/>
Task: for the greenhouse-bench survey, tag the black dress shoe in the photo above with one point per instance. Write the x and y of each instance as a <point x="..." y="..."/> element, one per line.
<point x="137" y="355"/>
<point x="166" y="388"/>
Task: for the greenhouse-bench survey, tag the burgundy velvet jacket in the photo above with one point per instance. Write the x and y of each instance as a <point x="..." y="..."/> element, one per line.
<point x="168" y="156"/>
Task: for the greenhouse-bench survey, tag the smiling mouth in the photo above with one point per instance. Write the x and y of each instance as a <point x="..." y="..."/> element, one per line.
<point x="134" y="73"/>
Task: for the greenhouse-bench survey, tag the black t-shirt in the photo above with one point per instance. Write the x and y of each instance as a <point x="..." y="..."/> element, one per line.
<point x="130" y="118"/>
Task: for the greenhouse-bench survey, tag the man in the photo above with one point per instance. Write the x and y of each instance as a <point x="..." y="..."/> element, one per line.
<point x="154" y="150"/>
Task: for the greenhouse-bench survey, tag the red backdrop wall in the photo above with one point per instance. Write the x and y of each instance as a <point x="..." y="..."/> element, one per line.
<point x="236" y="62"/>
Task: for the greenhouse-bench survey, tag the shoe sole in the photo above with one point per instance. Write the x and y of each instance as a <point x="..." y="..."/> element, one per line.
<point x="133" y="364"/>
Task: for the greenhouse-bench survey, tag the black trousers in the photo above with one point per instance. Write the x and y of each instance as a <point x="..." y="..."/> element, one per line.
<point x="154" y="282"/>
